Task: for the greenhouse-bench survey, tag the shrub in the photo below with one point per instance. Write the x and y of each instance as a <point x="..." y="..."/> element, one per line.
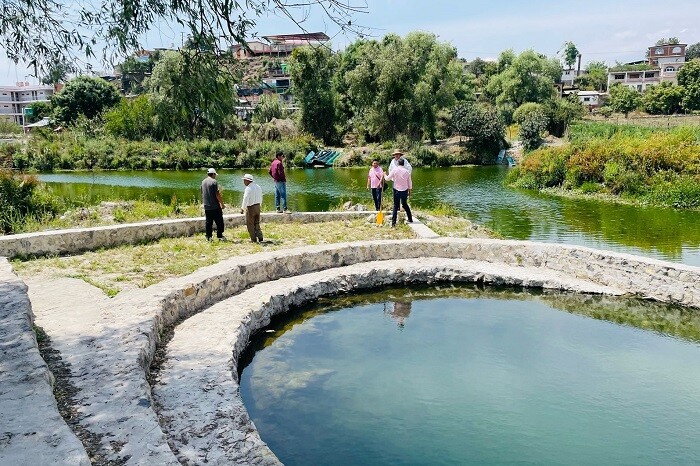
<point x="532" y="126"/>
<point x="22" y="199"/>
<point x="543" y="168"/>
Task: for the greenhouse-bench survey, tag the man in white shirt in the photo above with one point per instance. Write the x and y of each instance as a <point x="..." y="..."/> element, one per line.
<point x="252" y="198"/>
<point x="397" y="154"/>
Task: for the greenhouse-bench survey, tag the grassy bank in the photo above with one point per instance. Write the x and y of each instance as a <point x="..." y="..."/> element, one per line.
<point x="639" y="164"/>
<point x="127" y="267"/>
<point x="72" y="150"/>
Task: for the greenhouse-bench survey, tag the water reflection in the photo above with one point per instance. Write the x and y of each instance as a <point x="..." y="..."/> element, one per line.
<point x="668" y="319"/>
<point x="398" y="311"/>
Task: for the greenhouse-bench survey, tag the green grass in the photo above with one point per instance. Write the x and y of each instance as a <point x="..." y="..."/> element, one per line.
<point x="111" y="213"/>
<point x="126" y="267"/>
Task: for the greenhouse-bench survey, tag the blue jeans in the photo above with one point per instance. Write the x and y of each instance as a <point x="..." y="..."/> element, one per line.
<point x="280" y="195"/>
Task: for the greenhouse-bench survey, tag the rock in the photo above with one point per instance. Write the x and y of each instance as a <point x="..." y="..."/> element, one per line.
<point x="347" y="205"/>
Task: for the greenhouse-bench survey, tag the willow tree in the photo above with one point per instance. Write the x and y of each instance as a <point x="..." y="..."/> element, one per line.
<point x="311" y="70"/>
<point x="42" y="32"/>
<point x="192" y="93"/>
<point x="398" y="86"/>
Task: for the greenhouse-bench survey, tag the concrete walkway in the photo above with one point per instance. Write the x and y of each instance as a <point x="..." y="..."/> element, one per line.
<point x="31" y="429"/>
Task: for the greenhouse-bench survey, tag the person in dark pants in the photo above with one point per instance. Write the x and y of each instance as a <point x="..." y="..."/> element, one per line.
<point x="375" y="182"/>
<point x="213" y="206"/>
<point x="402" y="190"/>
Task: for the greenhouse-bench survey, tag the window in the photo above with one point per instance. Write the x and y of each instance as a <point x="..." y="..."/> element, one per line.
<point x="669" y="68"/>
<point x="676" y="50"/>
<point x="639" y="88"/>
<point x="660" y="51"/>
<point x="649" y="74"/>
<point x="634" y="76"/>
<point x="619" y="76"/>
<point x="586" y="99"/>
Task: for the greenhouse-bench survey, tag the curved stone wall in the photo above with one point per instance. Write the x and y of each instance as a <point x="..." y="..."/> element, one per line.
<point x="118" y="351"/>
<point x="75" y="240"/>
<point x="198" y="398"/>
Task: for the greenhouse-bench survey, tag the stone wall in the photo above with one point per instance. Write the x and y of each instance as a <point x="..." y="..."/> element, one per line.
<point x="75" y="240"/>
<point x="31" y="429"/>
<point x="119" y="353"/>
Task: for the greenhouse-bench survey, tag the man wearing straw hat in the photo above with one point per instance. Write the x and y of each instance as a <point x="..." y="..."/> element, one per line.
<point x="252" y="198"/>
<point x="397" y="154"/>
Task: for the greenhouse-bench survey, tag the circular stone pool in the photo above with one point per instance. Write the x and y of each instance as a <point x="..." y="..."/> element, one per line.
<point x="464" y="375"/>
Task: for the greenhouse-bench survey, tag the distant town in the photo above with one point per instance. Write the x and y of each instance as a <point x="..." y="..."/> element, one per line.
<point x="267" y="73"/>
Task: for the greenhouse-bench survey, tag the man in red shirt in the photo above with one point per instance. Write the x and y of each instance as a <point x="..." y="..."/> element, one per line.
<point x="277" y="174"/>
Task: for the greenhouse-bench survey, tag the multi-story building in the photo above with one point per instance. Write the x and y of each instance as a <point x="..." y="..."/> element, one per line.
<point x="663" y="62"/>
<point x="14" y="99"/>
<point x="267" y="67"/>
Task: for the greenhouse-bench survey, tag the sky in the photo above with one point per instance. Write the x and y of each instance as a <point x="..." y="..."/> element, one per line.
<point x="603" y="30"/>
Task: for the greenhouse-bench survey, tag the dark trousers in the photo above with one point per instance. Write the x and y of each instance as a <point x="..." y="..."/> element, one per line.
<point x="377" y="196"/>
<point x="252" y="221"/>
<point x="401" y="197"/>
<point x="212" y="216"/>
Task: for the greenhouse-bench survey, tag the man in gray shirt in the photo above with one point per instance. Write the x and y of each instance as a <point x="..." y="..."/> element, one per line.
<point x="213" y="206"/>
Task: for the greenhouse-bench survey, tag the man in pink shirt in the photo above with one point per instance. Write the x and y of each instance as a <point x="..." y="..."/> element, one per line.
<point x="375" y="181"/>
<point x="403" y="185"/>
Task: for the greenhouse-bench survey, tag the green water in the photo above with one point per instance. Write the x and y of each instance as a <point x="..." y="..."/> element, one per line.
<point x="469" y="376"/>
<point x="476" y="191"/>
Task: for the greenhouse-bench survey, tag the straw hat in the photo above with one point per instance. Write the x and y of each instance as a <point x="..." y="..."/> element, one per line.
<point x="248" y="177"/>
<point x="396" y="152"/>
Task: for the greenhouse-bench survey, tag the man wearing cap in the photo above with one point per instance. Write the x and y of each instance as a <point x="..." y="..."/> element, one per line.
<point x="252" y="198"/>
<point x="213" y="205"/>
<point x="397" y="154"/>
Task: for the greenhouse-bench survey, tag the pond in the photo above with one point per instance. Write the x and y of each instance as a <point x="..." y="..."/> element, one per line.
<point x="478" y="192"/>
<point x="463" y="375"/>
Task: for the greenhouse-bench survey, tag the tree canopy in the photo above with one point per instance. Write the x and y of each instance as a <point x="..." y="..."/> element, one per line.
<point x="663" y="99"/>
<point x="86" y="96"/>
<point x="570" y="53"/>
<point x="624" y="99"/>
<point x="692" y="51"/>
<point x="689" y="78"/>
<point x="595" y="78"/>
<point x="311" y="70"/>
<point x="57" y="31"/>
<point x="529" y="77"/>
<point x="192" y="94"/>
<point x="398" y="85"/>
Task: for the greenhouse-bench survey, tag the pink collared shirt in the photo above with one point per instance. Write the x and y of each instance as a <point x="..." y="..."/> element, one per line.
<point x="376" y="176"/>
<point x="401" y="178"/>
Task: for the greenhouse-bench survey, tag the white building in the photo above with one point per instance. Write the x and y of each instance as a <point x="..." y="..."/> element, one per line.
<point x="664" y="60"/>
<point x="14" y="99"/>
<point x="589" y="99"/>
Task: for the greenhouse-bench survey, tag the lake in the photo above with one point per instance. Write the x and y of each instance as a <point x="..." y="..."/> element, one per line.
<point x="478" y="192"/>
<point x="462" y="375"/>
